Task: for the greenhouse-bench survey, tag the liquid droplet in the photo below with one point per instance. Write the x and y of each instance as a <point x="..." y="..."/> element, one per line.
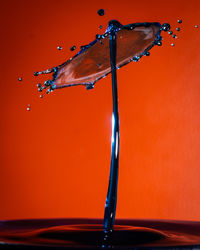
<point x="29" y="107"/>
<point x="159" y="43"/>
<point x="101" y="12"/>
<point x="147" y="53"/>
<point x="170" y="32"/>
<point x="98" y="36"/>
<point x="41" y="96"/>
<point x="174" y="36"/>
<point x="172" y="44"/>
<point x="179" y="21"/>
<point x="166" y="27"/>
<point x="135" y="58"/>
<point x="36" y="73"/>
<point x="39" y="85"/>
<point x="59" y="48"/>
<point x="100" y="26"/>
<point x="20" y="79"/>
<point x="196" y="26"/>
<point x="178" y="29"/>
<point x="73" y="48"/>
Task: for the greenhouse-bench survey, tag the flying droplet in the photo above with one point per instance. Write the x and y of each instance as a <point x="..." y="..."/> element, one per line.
<point x="100" y="26"/>
<point x="174" y="36"/>
<point x="39" y="85"/>
<point x="98" y="36"/>
<point x="172" y="44"/>
<point x="147" y="53"/>
<point x="179" y="21"/>
<point x="170" y="32"/>
<point x="41" y="96"/>
<point x="73" y="48"/>
<point x="36" y="73"/>
<point x="29" y="107"/>
<point x="59" y="48"/>
<point x="135" y="58"/>
<point x="101" y="12"/>
<point x="178" y="29"/>
<point x="166" y="27"/>
<point x="20" y="79"/>
<point x="159" y="43"/>
<point x="196" y="26"/>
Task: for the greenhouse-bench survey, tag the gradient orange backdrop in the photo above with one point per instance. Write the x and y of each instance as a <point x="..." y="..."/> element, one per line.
<point x="55" y="159"/>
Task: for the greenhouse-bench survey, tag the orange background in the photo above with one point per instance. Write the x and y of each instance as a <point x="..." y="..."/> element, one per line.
<point x="55" y="159"/>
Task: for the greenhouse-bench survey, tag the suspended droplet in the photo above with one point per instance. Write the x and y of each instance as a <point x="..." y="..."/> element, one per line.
<point x="41" y="96"/>
<point x="73" y="48"/>
<point x="101" y="12"/>
<point x="89" y="86"/>
<point x="170" y="32"/>
<point x="174" y="36"/>
<point x="159" y="43"/>
<point x="59" y="48"/>
<point x="20" y="79"/>
<point x="147" y="53"/>
<point x="100" y="26"/>
<point x="179" y="21"/>
<point x="29" y="107"/>
<point x="172" y="44"/>
<point x="196" y="26"/>
<point x="166" y="27"/>
<point x="178" y="29"/>
<point x="135" y="58"/>
<point x="36" y="73"/>
<point x="39" y="85"/>
<point x="98" y="36"/>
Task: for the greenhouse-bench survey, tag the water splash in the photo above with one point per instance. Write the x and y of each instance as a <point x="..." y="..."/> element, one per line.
<point x="134" y="41"/>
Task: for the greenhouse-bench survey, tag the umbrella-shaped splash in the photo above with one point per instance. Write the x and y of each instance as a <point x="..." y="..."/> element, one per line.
<point x="110" y="51"/>
<point x="93" y="61"/>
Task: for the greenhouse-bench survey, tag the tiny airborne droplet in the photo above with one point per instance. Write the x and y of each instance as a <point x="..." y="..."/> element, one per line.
<point x="159" y="43"/>
<point x="196" y="26"/>
<point x="166" y="27"/>
<point x="147" y="53"/>
<point x="20" y="79"/>
<point x="29" y="107"/>
<point x="172" y="44"/>
<point x="59" y="48"/>
<point x="179" y="21"/>
<point x="170" y="32"/>
<point x="73" y="48"/>
<point x="100" y="27"/>
<point x="174" y="36"/>
<point x="178" y="29"/>
<point x="101" y="12"/>
<point x="41" y="96"/>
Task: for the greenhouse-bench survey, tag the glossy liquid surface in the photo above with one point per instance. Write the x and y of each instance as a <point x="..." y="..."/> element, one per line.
<point x="88" y="234"/>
